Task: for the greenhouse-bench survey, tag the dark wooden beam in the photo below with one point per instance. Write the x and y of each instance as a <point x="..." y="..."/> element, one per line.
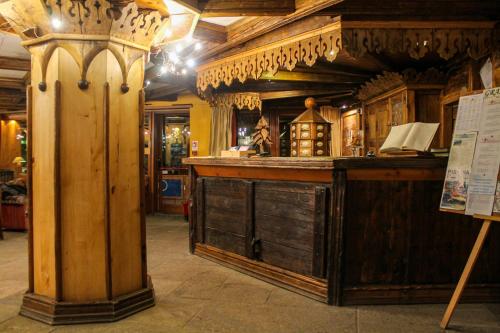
<point x="313" y="77"/>
<point x="246" y="7"/>
<point x="270" y="86"/>
<point x="17" y="84"/>
<point x="416" y="10"/>
<point x="209" y="32"/>
<point x="301" y="93"/>
<point x="15" y="64"/>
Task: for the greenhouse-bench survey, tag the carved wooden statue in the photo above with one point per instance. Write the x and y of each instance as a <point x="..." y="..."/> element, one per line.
<point x="262" y="135"/>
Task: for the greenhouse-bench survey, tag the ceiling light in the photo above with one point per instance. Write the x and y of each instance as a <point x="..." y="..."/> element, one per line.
<point x="179" y="48"/>
<point x="173" y="57"/>
<point x="163" y="69"/>
<point x="168" y="33"/>
<point x="184" y="71"/>
<point x="191" y="63"/>
<point x="56" y="23"/>
<point x="197" y="46"/>
<point x="189" y="38"/>
<point x="148" y="83"/>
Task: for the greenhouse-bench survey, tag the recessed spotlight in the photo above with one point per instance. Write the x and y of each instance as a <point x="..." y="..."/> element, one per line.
<point x="168" y="33"/>
<point x="179" y="48"/>
<point x="191" y="63"/>
<point x="197" y="46"/>
<point x="148" y="83"/>
<point x="184" y="71"/>
<point x="56" y="23"/>
<point x="163" y="69"/>
<point x="173" y="57"/>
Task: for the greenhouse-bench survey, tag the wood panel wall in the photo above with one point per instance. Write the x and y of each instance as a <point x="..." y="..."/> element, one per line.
<point x="10" y="147"/>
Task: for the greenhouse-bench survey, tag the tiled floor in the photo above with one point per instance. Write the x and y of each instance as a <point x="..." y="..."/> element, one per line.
<point x="196" y="295"/>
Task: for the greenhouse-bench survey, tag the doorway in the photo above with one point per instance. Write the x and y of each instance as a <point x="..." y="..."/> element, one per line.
<point x="169" y="144"/>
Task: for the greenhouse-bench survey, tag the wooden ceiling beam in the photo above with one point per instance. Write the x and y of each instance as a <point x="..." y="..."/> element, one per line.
<point x="312" y="77"/>
<point x="269" y="95"/>
<point x="17" y="84"/>
<point x="214" y="8"/>
<point x="15" y="64"/>
<point x="209" y="32"/>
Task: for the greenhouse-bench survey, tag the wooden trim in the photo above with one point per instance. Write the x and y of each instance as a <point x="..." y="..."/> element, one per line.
<point x="307" y="286"/>
<point x="319" y="244"/>
<point x="336" y="246"/>
<point x="200" y="210"/>
<point x="107" y="196"/>
<point x="395" y="174"/>
<point x="249" y="219"/>
<point x="303" y="175"/>
<point x="144" y="257"/>
<point x="80" y="37"/>
<point x="48" y="311"/>
<point x="192" y="210"/>
<point x="419" y="24"/>
<point x="57" y="193"/>
<point x="29" y="110"/>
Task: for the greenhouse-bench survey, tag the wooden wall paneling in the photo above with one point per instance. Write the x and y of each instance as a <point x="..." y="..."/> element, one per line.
<point x="125" y="172"/>
<point x="57" y="193"/>
<point x="107" y="194"/>
<point x="335" y="260"/>
<point x="200" y="210"/>
<point x="42" y="148"/>
<point x="320" y="235"/>
<point x="142" y="189"/>
<point x="29" y="165"/>
<point x="81" y="164"/>
<point x="249" y="220"/>
<point x="284" y="224"/>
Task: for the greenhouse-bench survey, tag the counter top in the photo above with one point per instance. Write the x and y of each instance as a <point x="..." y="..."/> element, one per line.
<point x="320" y="162"/>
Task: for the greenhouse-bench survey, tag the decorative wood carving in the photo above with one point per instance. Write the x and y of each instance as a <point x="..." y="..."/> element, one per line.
<point x="87" y="28"/>
<point x="127" y="23"/>
<point x="418" y="42"/>
<point x="285" y="54"/>
<point x="241" y="101"/>
<point x="390" y="80"/>
<point x="355" y="39"/>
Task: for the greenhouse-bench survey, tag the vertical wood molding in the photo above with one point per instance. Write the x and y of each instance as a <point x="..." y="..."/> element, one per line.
<point x="107" y="196"/>
<point x="192" y="210"/>
<point x="249" y="219"/>
<point x="57" y="192"/>
<point x="29" y="110"/>
<point x="336" y="248"/>
<point x="318" y="268"/>
<point x="200" y="210"/>
<point x="142" y="199"/>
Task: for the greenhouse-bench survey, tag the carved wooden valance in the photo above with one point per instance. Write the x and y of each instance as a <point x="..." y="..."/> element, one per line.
<point x="250" y="101"/>
<point x="354" y="39"/>
<point x="306" y="48"/>
<point x="390" y="80"/>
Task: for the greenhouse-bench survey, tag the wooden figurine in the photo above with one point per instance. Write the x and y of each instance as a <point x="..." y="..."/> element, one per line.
<point x="310" y="133"/>
<point x="262" y="136"/>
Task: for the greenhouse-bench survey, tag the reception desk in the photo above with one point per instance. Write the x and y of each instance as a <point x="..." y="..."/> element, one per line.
<point x="342" y="231"/>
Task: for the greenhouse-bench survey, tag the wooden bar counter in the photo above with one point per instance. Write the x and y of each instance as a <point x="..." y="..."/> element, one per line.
<point x="342" y="231"/>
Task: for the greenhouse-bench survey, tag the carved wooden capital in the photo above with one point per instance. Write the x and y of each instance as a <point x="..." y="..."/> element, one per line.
<point x="37" y="21"/>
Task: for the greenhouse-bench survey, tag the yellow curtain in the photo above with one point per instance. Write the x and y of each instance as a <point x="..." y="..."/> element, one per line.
<point x="220" y="136"/>
<point x="332" y="114"/>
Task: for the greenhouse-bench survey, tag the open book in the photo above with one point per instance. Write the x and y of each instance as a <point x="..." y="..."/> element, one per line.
<point x="412" y="136"/>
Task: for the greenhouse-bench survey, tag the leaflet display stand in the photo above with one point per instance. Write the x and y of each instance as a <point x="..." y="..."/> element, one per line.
<point x="476" y="249"/>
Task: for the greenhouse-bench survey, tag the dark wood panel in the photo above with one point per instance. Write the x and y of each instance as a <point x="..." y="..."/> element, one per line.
<point x="320" y="233"/>
<point x="225" y="241"/>
<point x="288" y="232"/>
<point x="224" y="201"/>
<point x="225" y="220"/>
<point x="295" y="260"/>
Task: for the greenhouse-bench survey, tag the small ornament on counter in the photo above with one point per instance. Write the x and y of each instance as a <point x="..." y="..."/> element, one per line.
<point x="261" y="136"/>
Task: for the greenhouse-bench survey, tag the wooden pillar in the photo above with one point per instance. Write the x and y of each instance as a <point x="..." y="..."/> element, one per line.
<point x="87" y="238"/>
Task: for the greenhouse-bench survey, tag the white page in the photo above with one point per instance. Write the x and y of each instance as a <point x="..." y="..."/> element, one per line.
<point x="420" y="136"/>
<point x="486" y="74"/>
<point x="468" y="115"/>
<point x="396" y="138"/>
<point x="486" y="163"/>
